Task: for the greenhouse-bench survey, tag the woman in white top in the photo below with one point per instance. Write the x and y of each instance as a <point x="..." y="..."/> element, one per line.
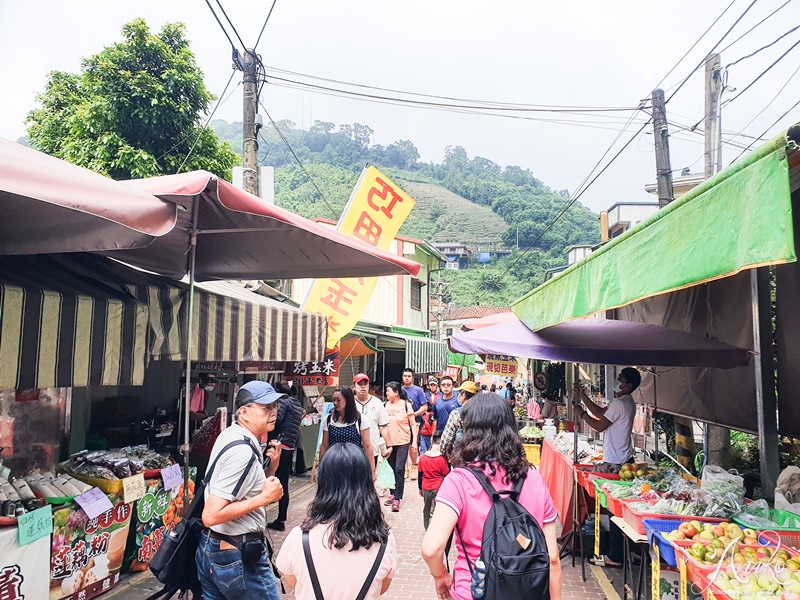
<point x="345" y="425"/>
<point x="350" y="546"/>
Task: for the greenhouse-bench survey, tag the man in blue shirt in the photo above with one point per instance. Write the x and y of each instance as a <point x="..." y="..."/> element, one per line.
<point x="446" y="404"/>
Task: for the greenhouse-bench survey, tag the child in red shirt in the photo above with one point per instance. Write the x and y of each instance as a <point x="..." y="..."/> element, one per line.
<point x="433" y="468"/>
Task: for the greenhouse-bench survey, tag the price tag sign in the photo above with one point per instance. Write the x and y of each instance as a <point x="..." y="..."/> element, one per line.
<point x="35" y="524"/>
<point x="597" y="526"/>
<point x="682" y="584"/>
<point x="94" y="502"/>
<point x="172" y="476"/>
<point x="655" y="571"/>
<point x="133" y="488"/>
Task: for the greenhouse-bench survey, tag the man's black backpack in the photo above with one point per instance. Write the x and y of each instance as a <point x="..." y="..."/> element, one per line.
<point x="513" y="550"/>
<point x="174" y="562"/>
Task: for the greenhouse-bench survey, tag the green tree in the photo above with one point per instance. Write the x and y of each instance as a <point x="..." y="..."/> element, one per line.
<point x="134" y="109"/>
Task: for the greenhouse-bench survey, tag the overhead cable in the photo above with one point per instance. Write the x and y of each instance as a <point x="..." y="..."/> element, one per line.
<point x="221" y="26"/>
<point x="264" y="26"/>
<point x="232" y="25"/>
<point x="752" y="54"/>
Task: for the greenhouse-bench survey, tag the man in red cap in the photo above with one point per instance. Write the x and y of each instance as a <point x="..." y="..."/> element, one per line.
<point x="372" y="408"/>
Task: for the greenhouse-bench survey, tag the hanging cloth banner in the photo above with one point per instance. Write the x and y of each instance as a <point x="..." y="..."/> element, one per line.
<point x="374" y="214"/>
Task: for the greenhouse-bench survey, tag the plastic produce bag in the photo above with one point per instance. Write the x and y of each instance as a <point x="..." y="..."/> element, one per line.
<point x="753" y="515"/>
<point x="718" y="482"/>
<point x="385" y="477"/>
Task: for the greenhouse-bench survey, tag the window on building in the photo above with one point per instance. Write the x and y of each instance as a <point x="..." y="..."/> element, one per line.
<point x="449" y="331"/>
<point x="416" y="295"/>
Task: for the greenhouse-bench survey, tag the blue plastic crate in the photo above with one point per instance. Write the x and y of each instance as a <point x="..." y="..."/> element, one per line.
<point x="654" y="528"/>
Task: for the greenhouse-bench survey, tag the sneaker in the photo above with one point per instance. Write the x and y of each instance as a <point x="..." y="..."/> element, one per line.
<point x="395" y="505"/>
<point x="277" y="525"/>
<point x="389" y="501"/>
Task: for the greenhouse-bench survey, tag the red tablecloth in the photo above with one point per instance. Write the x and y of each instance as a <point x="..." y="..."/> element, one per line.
<point x="557" y="471"/>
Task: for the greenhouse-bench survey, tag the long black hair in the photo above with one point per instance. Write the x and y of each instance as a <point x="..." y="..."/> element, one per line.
<point x="350" y="411"/>
<point x="346" y="500"/>
<point x="396" y="387"/>
<point x="490" y="437"/>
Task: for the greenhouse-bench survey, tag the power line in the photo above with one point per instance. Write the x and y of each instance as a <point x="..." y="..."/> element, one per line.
<point x="504" y="105"/>
<point x="775" y="122"/>
<point x="300" y="163"/>
<point x="221" y="26"/>
<point x="232" y="25"/>
<point x="208" y="120"/>
<point x="754" y="26"/>
<point x="764" y="72"/>
<point x="702" y="62"/>
<point x="710" y="27"/>
<point x="795" y="28"/>
<point x="264" y="26"/>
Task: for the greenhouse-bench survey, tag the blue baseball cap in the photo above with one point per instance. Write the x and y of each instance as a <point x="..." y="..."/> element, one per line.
<point x="259" y="392"/>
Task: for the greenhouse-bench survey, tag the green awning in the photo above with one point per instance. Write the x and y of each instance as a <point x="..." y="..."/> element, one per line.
<point x="739" y="219"/>
<point x="460" y="360"/>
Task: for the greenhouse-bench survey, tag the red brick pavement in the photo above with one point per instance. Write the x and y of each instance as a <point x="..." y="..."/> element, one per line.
<point x="412" y="582"/>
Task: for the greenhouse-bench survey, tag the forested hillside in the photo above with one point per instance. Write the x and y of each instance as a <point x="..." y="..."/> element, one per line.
<point x="475" y="201"/>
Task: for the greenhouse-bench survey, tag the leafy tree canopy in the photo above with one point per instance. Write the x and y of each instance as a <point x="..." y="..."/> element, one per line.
<point x="133" y="111"/>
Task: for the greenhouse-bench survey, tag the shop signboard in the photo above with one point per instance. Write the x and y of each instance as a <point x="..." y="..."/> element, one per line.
<point x="86" y="554"/>
<point x="260" y="366"/>
<point x="376" y="210"/>
<point x="320" y="373"/>
<point x="452" y="371"/>
<point x="500" y="364"/>
<point x="154" y="516"/>
<point x="21" y="567"/>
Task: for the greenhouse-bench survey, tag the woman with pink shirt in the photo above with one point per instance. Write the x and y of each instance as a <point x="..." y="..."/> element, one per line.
<point x="344" y="549"/>
<point x="491" y="443"/>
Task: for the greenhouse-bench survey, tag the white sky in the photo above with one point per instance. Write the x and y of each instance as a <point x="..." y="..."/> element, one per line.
<point x="586" y="53"/>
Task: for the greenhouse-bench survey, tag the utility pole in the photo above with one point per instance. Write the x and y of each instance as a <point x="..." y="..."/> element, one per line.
<point x="249" y="144"/>
<point x="661" y="137"/>
<point x="712" y="123"/>
<point x="440" y="292"/>
<point x="684" y="443"/>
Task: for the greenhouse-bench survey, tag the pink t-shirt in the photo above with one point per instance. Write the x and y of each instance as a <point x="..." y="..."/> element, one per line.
<point x="461" y="492"/>
<point x="341" y="572"/>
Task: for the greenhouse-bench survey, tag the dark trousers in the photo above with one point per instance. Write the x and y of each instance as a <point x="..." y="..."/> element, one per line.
<point x="284" y="468"/>
<point x="429" y="497"/>
<point x="300" y="463"/>
<point x="397" y="460"/>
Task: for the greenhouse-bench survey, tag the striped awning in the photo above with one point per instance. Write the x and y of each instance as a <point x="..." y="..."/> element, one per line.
<point x="424" y="355"/>
<point x="230" y="323"/>
<point x="58" y="339"/>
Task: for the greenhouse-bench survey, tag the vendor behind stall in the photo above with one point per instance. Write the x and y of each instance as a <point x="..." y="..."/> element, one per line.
<point x="616" y="422"/>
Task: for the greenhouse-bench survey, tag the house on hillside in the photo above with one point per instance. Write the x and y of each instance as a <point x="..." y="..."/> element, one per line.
<point x="392" y="333"/>
<point x="458" y="255"/>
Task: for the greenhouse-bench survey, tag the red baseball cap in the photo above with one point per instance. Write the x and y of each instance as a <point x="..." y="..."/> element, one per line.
<point x="361" y="377"/>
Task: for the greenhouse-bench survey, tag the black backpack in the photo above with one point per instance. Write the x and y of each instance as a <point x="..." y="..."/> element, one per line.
<point x="514" y="553"/>
<point x="174" y="562"/>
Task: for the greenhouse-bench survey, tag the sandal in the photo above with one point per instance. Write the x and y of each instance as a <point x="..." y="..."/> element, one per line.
<point x="389" y="501"/>
<point x="395" y="505"/>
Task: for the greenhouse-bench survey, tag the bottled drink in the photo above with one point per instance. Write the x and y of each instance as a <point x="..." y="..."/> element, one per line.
<point x="478" y="584"/>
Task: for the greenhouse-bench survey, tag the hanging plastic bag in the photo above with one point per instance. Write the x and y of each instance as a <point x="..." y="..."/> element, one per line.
<point x="719" y="482"/>
<point x="385" y="477"/>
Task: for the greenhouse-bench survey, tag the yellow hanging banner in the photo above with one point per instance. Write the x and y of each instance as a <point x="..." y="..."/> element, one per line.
<point x="376" y="210"/>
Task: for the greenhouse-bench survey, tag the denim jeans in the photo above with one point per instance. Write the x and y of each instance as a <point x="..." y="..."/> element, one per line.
<point x="224" y="575"/>
<point x="424" y="444"/>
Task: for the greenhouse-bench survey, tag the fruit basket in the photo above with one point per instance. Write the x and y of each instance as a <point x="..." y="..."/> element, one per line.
<point x="654" y="529"/>
<point x="633" y="516"/>
<point x="591" y="478"/>
<point x="787" y="525"/>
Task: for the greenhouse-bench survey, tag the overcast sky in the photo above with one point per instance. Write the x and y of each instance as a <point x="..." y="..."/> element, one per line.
<point x="587" y="53"/>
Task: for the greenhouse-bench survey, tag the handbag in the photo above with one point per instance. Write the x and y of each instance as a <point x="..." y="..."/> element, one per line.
<point x="315" y="580"/>
<point x="174" y="562"/>
<point x="385" y="478"/>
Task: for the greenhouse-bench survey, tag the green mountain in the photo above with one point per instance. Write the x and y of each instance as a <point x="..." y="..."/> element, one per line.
<point x="472" y="201"/>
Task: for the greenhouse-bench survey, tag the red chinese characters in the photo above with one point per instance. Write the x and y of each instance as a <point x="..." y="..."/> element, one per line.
<point x="387" y="192"/>
<point x="338" y="296"/>
<point x="11" y="583"/>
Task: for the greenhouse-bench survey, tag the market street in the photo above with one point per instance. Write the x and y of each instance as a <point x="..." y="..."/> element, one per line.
<point x="412" y="580"/>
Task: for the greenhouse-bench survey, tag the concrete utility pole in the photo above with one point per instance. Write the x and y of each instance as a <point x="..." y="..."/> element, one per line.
<point x="713" y="118"/>
<point x="440" y="291"/>
<point x="249" y="144"/>
<point x="661" y="137"/>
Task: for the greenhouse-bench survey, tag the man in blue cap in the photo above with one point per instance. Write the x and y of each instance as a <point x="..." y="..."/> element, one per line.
<point x="232" y="556"/>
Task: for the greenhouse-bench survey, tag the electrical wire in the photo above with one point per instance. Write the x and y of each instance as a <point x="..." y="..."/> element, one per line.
<point x="221" y="26"/>
<point x="702" y="62"/>
<point x="710" y="27"/>
<point x="775" y="122"/>
<point x="764" y="72"/>
<point x="208" y="120"/>
<point x="264" y="26"/>
<point x="506" y="105"/>
<point x="752" y="54"/>
<point x="754" y="26"/>
<point x="227" y="18"/>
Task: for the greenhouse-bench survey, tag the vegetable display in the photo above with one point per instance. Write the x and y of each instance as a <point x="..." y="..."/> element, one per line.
<point x="113" y="464"/>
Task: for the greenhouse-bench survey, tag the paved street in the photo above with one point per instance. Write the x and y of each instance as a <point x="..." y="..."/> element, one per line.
<point x="412" y="581"/>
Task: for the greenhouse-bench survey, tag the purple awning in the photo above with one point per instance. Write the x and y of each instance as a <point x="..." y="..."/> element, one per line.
<point x="602" y="341"/>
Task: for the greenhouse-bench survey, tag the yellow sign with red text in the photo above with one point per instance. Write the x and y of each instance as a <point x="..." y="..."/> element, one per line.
<point x="376" y="210"/>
